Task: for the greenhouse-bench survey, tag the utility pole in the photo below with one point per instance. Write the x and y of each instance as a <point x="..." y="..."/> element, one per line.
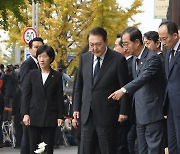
<point x="35" y="14"/>
<point x="35" y="11"/>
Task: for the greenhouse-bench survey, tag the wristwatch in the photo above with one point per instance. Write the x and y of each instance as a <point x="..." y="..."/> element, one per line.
<point x="124" y="90"/>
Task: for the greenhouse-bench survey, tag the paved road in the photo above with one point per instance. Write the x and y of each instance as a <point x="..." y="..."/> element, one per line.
<point x="61" y="150"/>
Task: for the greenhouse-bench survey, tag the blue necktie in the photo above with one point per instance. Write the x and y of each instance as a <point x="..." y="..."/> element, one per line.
<point x="171" y="58"/>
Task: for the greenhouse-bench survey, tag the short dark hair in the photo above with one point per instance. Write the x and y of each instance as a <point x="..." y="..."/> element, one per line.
<point x="134" y="33"/>
<point x="171" y="26"/>
<point x="48" y="49"/>
<point x="61" y="66"/>
<point x="98" y="31"/>
<point x="9" y="68"/>
<point x="35" y="39"/>
<point x="152" y="35"/>
<point x="1" y="66"/>
<point x="119" y="35"/>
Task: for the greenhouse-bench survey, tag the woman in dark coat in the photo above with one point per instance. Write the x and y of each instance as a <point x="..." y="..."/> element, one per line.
<point x="42" y="101"/>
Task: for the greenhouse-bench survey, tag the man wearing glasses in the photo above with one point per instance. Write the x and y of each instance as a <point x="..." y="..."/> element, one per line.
<point x="168" y="33"/>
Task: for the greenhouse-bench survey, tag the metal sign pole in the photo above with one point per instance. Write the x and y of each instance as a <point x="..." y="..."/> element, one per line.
<point x="33" y="14"/>
<point x="37" y="14"/>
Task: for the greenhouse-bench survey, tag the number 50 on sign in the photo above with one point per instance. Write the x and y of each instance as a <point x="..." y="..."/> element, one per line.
<point x="29" y="34"/>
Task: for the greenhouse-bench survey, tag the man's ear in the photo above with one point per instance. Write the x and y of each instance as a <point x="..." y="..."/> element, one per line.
<point x="137" y="41"/>
<point x="175" y="35"/>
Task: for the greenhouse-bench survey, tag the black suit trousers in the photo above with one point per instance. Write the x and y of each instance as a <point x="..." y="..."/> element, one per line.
<point x="97" y="139"/>
<point x="19" y="132"/>
<point x="41" y="134"/>
<point x="173" y="125"/>
<point x="25" y="141"/>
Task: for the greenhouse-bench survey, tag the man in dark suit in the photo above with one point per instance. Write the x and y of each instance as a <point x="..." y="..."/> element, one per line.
<point x="125" y="126"/>
<point x="168" y="33"/>
<point x="152" y="42"/>
<point x="148" y="89"/>
<point x="29" y="64"/>
<point x="119" y="48"/>
<point x="100" y="72"/>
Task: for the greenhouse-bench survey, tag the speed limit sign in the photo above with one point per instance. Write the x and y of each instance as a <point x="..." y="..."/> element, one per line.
<point x="29" y="34"/>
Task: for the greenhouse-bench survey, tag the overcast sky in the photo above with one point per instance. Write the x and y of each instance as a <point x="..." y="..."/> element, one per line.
<point x="147" y="17"/>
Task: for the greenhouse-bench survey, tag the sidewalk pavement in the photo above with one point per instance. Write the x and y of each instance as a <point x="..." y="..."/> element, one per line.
<point x="61" y="150"/>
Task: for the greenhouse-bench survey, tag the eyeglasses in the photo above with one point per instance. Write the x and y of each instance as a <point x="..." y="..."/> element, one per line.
<point x="116" y="45"/>
<point x="125" y="44"/>
<point x="163" y="39"/>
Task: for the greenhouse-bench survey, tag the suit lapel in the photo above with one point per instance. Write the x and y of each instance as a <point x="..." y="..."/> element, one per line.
<point x="33" y="63"/>
<point x="106" y="63"/>
<point x="174" y="59"/>
<point x="142" y="60"/>
<point x="134" y="68"/>
<point x="39" y="79"/>
<point x="167" y="63"/>
<point x="89" y="63"/>
<point x="49" y="78"/>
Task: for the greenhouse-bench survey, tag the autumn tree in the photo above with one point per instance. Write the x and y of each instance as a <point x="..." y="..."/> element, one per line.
<point x="1" y="56"/>
<point x="64" y="24"/>
<point x="14" y="6"/>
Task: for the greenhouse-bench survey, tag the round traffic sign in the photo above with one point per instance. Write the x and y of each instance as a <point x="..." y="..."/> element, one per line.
<point x="29" y="34"/>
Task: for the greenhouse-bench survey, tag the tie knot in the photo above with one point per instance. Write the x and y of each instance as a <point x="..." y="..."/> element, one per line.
<point x="98" y="58"/>
<point x="97" y="68"/>
<point x="172" y="52"/>
<point x="137" y="60"/>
